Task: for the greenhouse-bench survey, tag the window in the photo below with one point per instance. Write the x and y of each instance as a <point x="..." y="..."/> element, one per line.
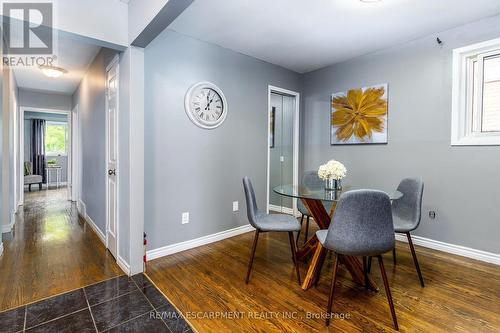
<point x="476" y="94"/>
<point x="56" y="137"/>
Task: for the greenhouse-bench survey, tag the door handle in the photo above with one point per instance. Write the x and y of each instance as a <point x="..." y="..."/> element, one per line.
<point x="112" y="172"/>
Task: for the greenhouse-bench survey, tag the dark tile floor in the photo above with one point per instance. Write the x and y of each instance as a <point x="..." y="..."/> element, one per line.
<point x="121" y="304"/>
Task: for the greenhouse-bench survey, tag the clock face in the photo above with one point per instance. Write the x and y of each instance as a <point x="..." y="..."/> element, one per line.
<point x="206" y="105"/>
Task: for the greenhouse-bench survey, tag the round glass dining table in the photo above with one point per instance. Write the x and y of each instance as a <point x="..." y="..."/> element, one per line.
<point x="313" y="199"/>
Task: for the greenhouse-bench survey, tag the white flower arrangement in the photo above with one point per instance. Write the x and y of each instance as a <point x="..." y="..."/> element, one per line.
<point x="332" y="170"/>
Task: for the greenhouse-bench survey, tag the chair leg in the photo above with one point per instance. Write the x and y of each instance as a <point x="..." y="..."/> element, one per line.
<point x="321" y="262"/>
<point x="369" y="265"/>
<point x="292" y="246"/>
<point x="298" y="233"/>
<point x="394" y="255"/>
<point x="332" y="288"/>
<point x="388" y="292"/>
<point x="365" y="270"/>
<point x="294" y="255"/>
<point x="307" y="230"/>
<point x="250" y="263"/>
<point x="39" y="186"/>
<point x="29" y="187"/>
<point x="414" y="255"/>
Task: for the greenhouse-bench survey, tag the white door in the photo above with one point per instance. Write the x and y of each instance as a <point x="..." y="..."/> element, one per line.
<point x="112" y="156"/>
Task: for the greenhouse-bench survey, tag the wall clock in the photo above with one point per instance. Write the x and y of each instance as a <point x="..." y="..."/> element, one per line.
<point x="206" y="105"/>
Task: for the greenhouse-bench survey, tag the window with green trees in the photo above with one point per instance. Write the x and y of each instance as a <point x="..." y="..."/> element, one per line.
<point x="56" y="135"/>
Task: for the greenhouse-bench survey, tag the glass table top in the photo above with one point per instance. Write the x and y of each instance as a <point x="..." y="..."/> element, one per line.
<point x="303" y="192"/>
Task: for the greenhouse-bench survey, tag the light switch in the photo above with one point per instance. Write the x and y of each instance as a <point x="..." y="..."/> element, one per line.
<point x="235" y="206"/>
<point x="282" y="158"/>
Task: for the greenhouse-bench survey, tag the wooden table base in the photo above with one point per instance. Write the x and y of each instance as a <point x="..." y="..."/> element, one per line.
<point x="312" y="246"/>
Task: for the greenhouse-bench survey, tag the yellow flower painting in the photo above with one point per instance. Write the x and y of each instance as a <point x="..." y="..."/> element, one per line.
<point x="359" y="116"/>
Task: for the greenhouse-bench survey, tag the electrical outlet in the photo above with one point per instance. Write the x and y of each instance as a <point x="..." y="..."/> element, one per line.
<point x="235" y="206"/>
<point x="432" y="215"/>
<point x="185" y="217"/>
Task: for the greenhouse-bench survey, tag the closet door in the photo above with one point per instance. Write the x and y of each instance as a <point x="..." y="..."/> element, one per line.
<point x="281" y="153"/>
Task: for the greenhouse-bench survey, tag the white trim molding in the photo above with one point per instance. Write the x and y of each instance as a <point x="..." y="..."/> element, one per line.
<point x="1" y="248"/>
<point x="82" y="210"/>
<point x="464" y="123"/>
<point x="296" y="140"/>
<point x="98" y="232"/>
<point x="281" y="209"/>
<point x="284" y="210"/>
<point x="190" y="244"/>
<point x="123" y="265"/>
<point x="80" y="206"/>
<point x="460" y="250"/>
<point x="8" y="227"/>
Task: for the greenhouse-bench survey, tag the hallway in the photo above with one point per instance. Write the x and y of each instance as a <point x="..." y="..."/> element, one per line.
<point x="50" y="250"/>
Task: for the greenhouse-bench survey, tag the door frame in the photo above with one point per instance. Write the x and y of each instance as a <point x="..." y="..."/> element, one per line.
<point x="114" y="61"/>
<point x="19" y="144"/>
<point x="76" y="158"/>
<point x="296" y="136"/>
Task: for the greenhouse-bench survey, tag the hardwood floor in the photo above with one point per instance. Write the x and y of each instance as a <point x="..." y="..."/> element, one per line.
<point x="50" y="251"/>
<point x="460" y="295"/>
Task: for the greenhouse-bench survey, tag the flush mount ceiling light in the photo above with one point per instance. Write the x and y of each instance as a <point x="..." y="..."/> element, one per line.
<point x="52" y="71"/>
<point x="370" y="1"/>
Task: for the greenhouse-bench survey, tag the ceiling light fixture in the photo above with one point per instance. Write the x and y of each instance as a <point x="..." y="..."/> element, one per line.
<point x="52" y="71"/>
<point x="370" y="1"/>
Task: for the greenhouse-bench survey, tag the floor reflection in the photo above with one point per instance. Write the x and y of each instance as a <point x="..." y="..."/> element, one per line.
<point x="50" y="250"/>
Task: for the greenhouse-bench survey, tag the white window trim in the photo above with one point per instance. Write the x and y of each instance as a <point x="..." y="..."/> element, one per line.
<point x="461" y="132"/>
<point x="55" y="122"/>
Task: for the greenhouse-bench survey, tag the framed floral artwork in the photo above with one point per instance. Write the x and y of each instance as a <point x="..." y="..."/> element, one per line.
<point x="359" y="116"/>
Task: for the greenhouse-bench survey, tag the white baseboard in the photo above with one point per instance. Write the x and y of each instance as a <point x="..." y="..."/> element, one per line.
<point x="174" y="248"/>
<point x="96" y="229"/>
<point x="80" y="206"/>
<point x="8" y="227"/>
<point x="285" y="210"/>
<point x="1" y="248"/>
<point x="463" y="251"/>
<point x="123" y="265"/>
<point x="82" y="210"/>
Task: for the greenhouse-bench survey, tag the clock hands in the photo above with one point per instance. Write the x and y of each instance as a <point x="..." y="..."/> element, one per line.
<point x="209" y="101"/>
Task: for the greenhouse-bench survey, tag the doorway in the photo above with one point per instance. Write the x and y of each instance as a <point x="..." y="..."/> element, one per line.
<point x="283" y="147"/>
<point x="58" y="152"/>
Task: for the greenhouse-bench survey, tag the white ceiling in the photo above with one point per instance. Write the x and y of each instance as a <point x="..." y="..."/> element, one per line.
<point x="305" y="35"/>
<point x="72" y="55"/>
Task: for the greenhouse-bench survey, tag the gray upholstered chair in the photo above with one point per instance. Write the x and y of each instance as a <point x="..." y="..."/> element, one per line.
<point x="268" y="222"/>
<point x="30" y="178"/>
<point x="407" y="213"/>
<point x="310" y="180"/>
<point x="362" y="226"/>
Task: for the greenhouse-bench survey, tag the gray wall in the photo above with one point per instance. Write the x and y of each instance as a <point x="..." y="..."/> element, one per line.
<point x="462" y="184"/>
<point x="196" y="170"/>
<point x="61" y="160"/>
<point x="44" y="100"/>
<point x="91" y="97"/>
